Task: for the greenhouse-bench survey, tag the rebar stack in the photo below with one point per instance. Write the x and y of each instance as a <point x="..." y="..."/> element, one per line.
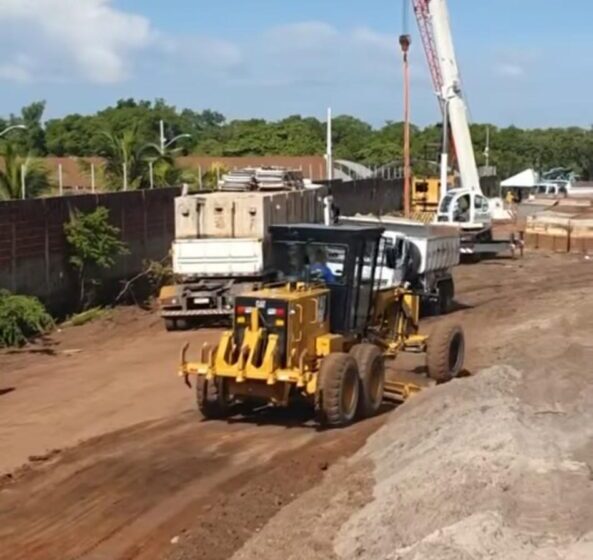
<point x="262" y="178"/>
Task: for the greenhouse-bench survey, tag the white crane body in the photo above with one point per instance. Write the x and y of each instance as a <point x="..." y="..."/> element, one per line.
<point x="465" y="206"/>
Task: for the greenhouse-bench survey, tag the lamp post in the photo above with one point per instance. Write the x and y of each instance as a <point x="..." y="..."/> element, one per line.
<point x="164" y="143"/>
<point x="13" y="127"/>
<point x="162" y="147"/>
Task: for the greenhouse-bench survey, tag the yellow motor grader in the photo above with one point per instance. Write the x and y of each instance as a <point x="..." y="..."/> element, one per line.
<point x="322" y="333"/>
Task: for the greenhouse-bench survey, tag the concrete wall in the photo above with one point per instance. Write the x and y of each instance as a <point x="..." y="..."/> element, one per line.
<point x="34" y="253"/>
<point x="368" y="196"/>
<point x="33" y="250"/>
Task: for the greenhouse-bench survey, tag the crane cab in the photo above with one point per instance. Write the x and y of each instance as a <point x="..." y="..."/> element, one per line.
<point x="467" y="209"/>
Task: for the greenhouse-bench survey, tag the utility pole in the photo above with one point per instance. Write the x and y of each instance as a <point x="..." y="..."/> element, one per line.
<point x="487" y="149"/>
<point x="405" y="41"/>
<point x="329" y="149"/>
<point x="151" y="173"/>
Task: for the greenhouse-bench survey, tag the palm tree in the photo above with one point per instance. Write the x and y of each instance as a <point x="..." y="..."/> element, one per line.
<point x="123" y="152"/>
<point x="36" y="175"/>
<point x="165" y="171"/>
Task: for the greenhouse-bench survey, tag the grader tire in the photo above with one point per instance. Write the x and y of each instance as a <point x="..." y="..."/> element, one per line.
<point x="211" y="398"/>
<point x="340" y="390"/>
<point x="445" y="352"/>
<point x="371" y="372"/>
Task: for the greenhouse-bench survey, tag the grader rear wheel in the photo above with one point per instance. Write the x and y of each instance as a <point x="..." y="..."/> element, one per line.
<point x="340" y="389"/>
<point x="211" y="398"/>
<point x="371" y="371"/>
<point x="445" y="352"/>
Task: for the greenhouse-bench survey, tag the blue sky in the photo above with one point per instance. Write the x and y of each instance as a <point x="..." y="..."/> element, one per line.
<point x="524" y="62"/>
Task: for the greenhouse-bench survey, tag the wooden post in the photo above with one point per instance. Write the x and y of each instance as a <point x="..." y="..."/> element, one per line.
<point x="60" y="180"/>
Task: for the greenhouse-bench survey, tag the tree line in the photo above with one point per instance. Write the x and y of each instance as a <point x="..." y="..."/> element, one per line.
<point x="127" y="134"/>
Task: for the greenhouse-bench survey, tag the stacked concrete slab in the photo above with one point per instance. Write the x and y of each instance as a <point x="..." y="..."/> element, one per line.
<point x="562" y="229"/>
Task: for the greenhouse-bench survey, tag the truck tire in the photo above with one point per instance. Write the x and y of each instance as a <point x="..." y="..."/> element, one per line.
<point x="340" y="390"/>
<point x="446" y="290"/>
<point x="176" y="324"/>
<point x="211" y="398"/>
<point x="371" y="372"/>
<point x="445" y="352"/>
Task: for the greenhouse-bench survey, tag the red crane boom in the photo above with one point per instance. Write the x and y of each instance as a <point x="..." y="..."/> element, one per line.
<point x="426" y="34"/>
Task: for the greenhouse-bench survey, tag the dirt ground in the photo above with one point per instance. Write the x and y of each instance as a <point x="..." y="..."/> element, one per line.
<point x="103" y="456"/>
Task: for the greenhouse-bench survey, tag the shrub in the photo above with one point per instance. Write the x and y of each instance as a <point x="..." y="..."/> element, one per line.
<point x="21" y="318"/>
<point x="94" y="245"/>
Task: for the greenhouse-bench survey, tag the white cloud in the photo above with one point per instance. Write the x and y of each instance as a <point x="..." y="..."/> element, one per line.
<point x="91" y="35"/>
<point x="307" y="35"/>
<point x="510" y="70"/>
<point x="19" y="70"/>
<point x="206" y="52"/>
<point x="380" y="42"/>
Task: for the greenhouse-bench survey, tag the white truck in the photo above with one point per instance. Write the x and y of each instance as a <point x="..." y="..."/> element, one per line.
<point x="221" y="247"/>
<point x="420" y="255"/>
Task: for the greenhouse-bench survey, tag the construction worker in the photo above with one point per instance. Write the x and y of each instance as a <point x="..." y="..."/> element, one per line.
<point x="320" y="268"/>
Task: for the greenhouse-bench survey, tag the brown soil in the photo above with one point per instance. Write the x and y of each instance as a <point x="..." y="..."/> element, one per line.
<point x="494" y="466"/>
<point x="118" y="465"/>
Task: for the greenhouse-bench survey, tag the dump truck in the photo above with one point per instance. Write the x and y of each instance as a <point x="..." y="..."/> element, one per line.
<point x="221" y="247"/>
<point x="318" y="336"/>
<point x="419" y="255"/>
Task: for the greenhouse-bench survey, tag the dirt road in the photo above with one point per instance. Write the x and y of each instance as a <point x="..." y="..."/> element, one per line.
<point x="136" y="475"/>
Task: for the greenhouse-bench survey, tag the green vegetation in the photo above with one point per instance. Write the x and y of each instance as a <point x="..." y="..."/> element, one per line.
<point x="86" y="317"/>
<point x="128" y="131"/>
<point x="36" y="176"/>
<point x="21" y="318"/>
<point x="94" y="245"/>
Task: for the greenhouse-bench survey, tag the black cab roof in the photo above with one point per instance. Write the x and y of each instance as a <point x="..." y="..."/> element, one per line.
<point x="325" y="234"/>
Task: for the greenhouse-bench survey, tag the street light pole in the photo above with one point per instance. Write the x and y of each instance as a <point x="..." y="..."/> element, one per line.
<point x="163" y="142"/>
<point x="162" y="136"/>
<point x="13" y="127"/>
<point x="23" y="181"/>
<point x="173" y="140"/>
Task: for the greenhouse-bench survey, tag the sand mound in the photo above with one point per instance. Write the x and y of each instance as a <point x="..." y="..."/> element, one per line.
<point x="470" y="469"/>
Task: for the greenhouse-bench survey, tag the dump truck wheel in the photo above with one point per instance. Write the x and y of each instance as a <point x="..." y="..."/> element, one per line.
<point x="446" y="295"/>
<point x="340" y="389"/>
<point x="445" y="352"/>
<point x="211" y="398"/>
<point x="170" y="325"/>
<point x="371" y="372"/>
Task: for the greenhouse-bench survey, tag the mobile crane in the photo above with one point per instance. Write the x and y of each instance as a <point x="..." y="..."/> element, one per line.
<point x="464" y="206"/>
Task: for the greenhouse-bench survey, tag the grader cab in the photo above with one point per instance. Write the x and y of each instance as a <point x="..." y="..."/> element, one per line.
<point x="321" y="333"/>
